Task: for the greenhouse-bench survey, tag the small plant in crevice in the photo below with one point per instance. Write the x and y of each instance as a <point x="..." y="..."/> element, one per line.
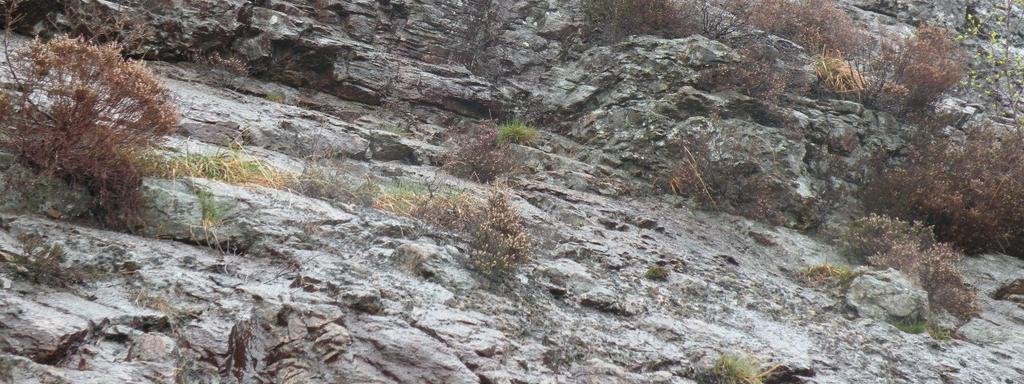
<point x="276" y="96"/>
<point x="217" y="62"/>
<point x="211" y="213"/>
<point x="397" y="129"/>
<point x="736" y="369"/>
<point x="479" y="157"/>
<point x="42" y="263"/>
<point x="657" y="273"/>
<point x="829" y="274"/>
<point x="100" y="114"/>
<point x="517" y="132"/>
<point x="919" y="326"/>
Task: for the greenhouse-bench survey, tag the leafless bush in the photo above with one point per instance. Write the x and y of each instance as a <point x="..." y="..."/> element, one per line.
<point x="95" y="23"/>
<point x="716" y="19"/>
<point x="817" y="25"/>
<point x="479" y="157"/>
<point x="909" y="74"/>
<point x="498" y="237"/>
<point x="616" y="19"/>
<point x="876" y="234"/>
<point x="760" y="73"/>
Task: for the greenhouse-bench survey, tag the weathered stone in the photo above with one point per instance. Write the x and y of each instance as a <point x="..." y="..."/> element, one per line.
<point x="887" y="295"/>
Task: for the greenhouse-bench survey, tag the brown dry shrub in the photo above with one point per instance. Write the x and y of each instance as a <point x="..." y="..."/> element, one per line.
<point x="479" y="157"/>
<point x="876" y="234"/>
<point x="96" y="24"/>
<point x="85" y="115"/>
<point x="715" y="19"/>
<point x="498" y="236"/>
<point x="494" y="227"/>
<point x="760" y="73"/>
<point x="616" y="19"/>
<point x="740" y="187"/>
<point x="909" y="74"/>
<point x="972" y="193"/>
<point x="935" y="269"/>
<point x="817" y="25"/>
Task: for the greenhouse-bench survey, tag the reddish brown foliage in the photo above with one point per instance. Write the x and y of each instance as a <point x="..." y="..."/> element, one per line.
<point x="616" y="19"/>
<point x="909" y="74"/>
<point x="817" y="25"/>
<point x="760" y="73"/>
<point x="84" y="115"/>
<point x="972" y="193"/>
<point x="480" y="158"/>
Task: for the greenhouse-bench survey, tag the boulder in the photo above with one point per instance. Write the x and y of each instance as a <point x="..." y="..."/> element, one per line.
<point x="887" y="295"/>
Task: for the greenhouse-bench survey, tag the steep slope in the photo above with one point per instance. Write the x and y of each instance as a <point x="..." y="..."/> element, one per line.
<point x="288" y="288"/>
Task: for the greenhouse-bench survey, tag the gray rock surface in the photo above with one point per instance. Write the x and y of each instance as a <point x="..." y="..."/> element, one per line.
<point x="887" y="295"/>
<point x="286" y="288"/>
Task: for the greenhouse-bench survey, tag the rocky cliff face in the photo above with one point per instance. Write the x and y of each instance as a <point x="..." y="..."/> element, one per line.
<point x="297" y="289"/>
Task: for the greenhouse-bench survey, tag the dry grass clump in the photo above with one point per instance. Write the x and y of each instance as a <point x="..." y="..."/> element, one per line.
<point x="911" y="249"/>
<point x="480" y="157"/>
<point x="444" y="209"/>
<point x="817" y="25"/>
<point x="972" y="193"/>
<point x="233" y="166"/>
<point x="828" y="273"/>
<point x="840" y="75"/>
<point x="84" y="115"/>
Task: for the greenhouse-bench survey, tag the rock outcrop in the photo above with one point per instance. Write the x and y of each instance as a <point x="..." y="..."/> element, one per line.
<point x="287" y="288"/>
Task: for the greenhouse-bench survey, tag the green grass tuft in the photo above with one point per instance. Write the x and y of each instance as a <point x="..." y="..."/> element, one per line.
<point x="657" y="273"/>
<point x="276" y="96"/>
<point x="517" y="132"/>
